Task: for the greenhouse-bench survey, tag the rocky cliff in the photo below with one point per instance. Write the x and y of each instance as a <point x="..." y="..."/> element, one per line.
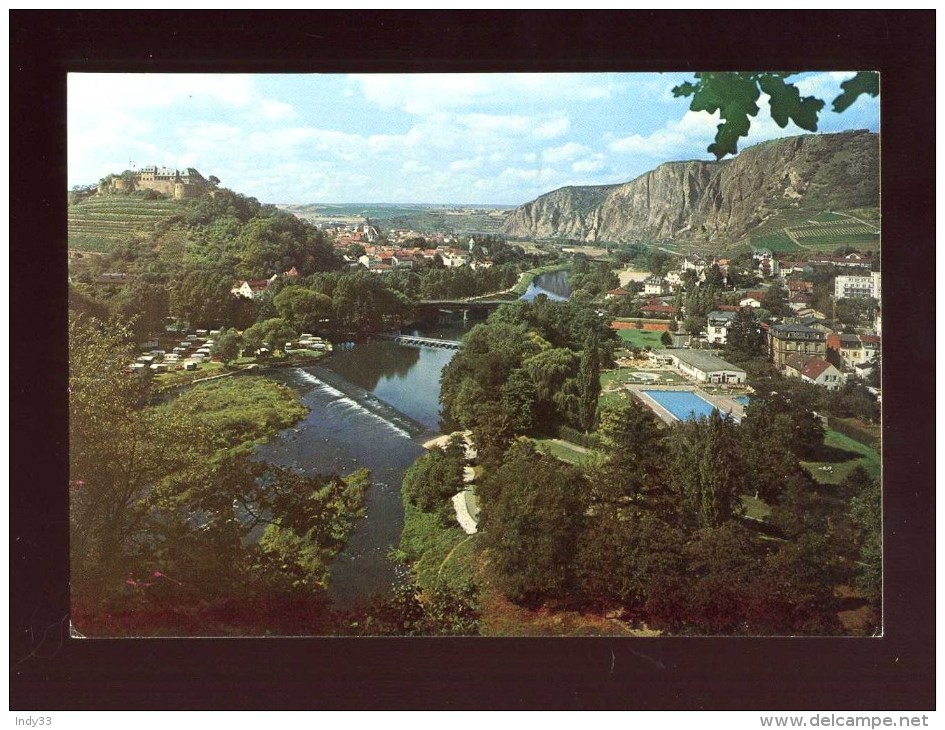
<point x="714" y="201"/>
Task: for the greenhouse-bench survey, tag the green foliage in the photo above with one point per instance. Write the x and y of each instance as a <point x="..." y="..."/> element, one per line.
<point x="622" y="554"/>
<point x="744" y="340"/>
<point x="227" y="346"/>
<point x="588" y="383"/>
<point x="532" y="513"/>
<point x="866" y="512"/>
<point x="735" y="95"/>
<point x="432" y="481"/>
<point x="303" y="308"/>
<point x="705" y="471"/>
<point x="788" y="420"/>
<point x="202" y="297"/>
<point x="865" y="82"/>
<point x="317" y="515"/>
<point x="239" y="409"/>
<point x="273" y="333"/>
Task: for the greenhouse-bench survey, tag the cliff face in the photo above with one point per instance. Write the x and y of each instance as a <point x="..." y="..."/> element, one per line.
<point x="712" y="201"/>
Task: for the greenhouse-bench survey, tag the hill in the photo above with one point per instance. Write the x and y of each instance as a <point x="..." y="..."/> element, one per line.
<point x="800" y="192"/>
<point x="100" y="222"/>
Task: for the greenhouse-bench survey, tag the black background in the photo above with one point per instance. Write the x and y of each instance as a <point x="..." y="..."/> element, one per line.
<point x="51" y="671"/>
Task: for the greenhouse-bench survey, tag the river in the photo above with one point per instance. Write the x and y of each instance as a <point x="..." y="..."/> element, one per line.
<point x="372" y="406"/>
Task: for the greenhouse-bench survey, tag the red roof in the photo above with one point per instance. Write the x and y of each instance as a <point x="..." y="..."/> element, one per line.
<point x="728" y="308"/>
<point x="661" y="308"/>
<point x="814" y="368"/>
<point x="292" y="272"/>
<point x="759" y="295"/>
<point x="258" y="284"/>
<point x="871" y="339"/>
<point x="618" y="292"/>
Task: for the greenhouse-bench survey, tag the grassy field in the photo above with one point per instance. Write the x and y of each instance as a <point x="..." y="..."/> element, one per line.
<point x="641" y="338"/>
<point x="755" y="508"/>
<point x="97" y="224"/>
<point x="844" y="454"/>
<point x="563" y="450"/>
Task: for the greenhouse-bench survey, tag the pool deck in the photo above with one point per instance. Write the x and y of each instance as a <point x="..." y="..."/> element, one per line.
<point x="723" y="403"/>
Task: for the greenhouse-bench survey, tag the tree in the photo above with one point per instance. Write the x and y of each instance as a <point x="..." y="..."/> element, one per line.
<point x="588" y="382"/>
<point x="623" y="552"/>
<point x="666" y="339"/>
<point x="227" y="346"/>
<point x="735" y="95"/>
<point x="744" y="340"/>
<point x="118" y="452"/>
<point x="775" y="300"/>
<point x="866" y="513"/>
<point x="202" y="297"/>
<point x="432" y="480"/>
<point x="705" y="470"/>
<point x="631" y="441"/>
<point x="532" y="515"/>
<point x="303" y="308"/>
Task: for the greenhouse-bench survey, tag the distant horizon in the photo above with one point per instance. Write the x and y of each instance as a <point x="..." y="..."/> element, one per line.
<point x="508" y="138"/>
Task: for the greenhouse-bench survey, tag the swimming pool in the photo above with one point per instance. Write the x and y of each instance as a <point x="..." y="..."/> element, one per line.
<point x="743" y="399"/>
<point x="683" y="404"/>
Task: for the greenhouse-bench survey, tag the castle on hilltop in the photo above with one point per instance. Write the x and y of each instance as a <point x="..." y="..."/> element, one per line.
<point x="177" y="184"/>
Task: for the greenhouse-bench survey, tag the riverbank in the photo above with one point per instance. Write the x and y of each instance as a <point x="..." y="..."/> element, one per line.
<point x="527" y="277"/>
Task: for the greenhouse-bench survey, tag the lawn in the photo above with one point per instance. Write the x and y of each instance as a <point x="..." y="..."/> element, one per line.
<point x="844" y="454"/>
<point x="641" y="338"/>
<point x="563" y="450"/>
<point x="610" y="379"/>
<point x="755" y="508"/>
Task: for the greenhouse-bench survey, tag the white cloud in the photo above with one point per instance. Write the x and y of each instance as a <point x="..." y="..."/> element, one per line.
<point x="565" y="152"/>
<point x="592" y="164"/>
<point x="466" y="164"/>
<point x="682" y="134"/>
<point x="554" y="127"/>
<point x="429" y="93"/>
<point x="274" y="110"/>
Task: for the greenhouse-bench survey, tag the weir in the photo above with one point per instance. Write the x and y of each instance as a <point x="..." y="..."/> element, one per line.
<point x="420" y="341"/>
<point x="358" y="396"/>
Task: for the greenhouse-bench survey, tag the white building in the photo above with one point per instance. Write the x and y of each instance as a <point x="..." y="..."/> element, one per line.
<point x="703" y="366"/>
<point x="655" y="285"/>
<point x="717" y="324"/>
<point x="850" y="287"/>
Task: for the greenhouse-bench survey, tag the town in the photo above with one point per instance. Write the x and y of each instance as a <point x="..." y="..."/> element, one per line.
<point x="701" y="422"/>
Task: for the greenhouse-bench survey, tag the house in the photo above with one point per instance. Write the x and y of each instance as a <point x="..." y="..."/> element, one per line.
<point x="693" y="263"/>
<point x="292" y="273"/>
<point x="765" y="263"/>
<point x="851" y="351"/>
<point x="717" y="324"/>
<point x="658" y="310"/>
<point x="674" y="278"/>
<point x="655" y="285"/>
<point x="704" y="366"/>
<point x="814" y="370"/>
<point x="857" y="287"/>
<point x="618" y="292"/>
<point x="785" y="340"/>
<point x="249" y="289"/>
<point x="800" y="300"/>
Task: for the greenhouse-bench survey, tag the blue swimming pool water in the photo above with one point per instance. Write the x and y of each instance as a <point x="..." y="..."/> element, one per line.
<point x="682" y="403"/>
<point x="743" y="399"/>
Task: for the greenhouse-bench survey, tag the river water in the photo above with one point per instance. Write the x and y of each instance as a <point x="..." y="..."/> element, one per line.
<point x="372" y="406"/>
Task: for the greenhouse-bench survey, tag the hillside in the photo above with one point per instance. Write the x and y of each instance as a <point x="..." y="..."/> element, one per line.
<point x="99" y="223"/>
<point x="781" y="191"/>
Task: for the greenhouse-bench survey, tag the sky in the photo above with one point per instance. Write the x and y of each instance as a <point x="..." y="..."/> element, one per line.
<point x="501" y="139"/>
